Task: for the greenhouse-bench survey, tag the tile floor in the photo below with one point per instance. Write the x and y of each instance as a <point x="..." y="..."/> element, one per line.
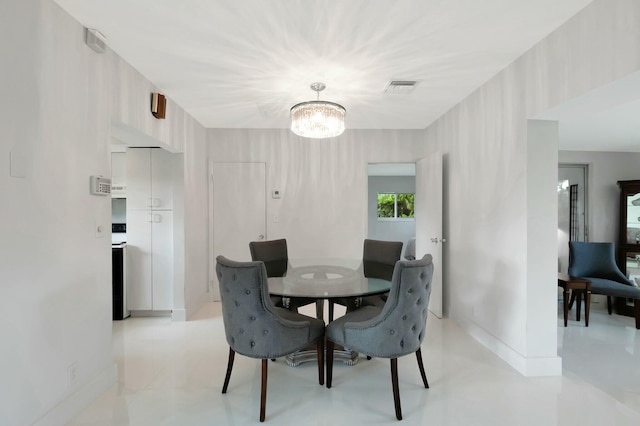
<point x="171" y="373"/>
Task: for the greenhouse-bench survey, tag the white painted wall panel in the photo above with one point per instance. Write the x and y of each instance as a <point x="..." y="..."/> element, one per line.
<point x="485" y="137"/>
<point x="323" y="183"/>
<point x="56" y="110"/>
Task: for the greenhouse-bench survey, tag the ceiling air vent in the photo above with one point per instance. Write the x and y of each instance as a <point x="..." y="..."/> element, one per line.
<point x="400" y="87"/>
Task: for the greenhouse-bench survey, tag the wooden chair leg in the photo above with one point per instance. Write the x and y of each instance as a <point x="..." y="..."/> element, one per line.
<point x="232" y="355"/>
<point x="421" y="367"/>
<point x="331" y="310"/>
<point x="320" y="350"/>
<point x="587" y="307"/>
<point x="320" y="309"/>
<point x="263" y="390"/>
<point x="396" y="390"/>
<point x="636" y="308"/>
<point x="609" y="307"/>
<point x="565" y="304"/>
<point x="579" y="304"/>
<point x="573" y="298"/>
<point x="329" y="347"/>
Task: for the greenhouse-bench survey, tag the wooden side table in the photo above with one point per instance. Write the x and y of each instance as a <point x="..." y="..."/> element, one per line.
<point x="583" y="285"/>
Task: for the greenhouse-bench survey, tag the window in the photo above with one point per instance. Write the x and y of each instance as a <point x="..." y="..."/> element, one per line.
<point x="395" y="206"/>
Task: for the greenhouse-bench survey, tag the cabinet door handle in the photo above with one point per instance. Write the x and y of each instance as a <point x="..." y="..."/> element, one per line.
<point x="157" y="218"/>
<point x="156" y="202"/>
<point x="149" y="202"/>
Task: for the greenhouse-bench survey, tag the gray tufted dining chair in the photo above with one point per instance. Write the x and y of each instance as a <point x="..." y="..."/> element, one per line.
<point x="378" y="260"/>
<point x="257" y="329"/>
<point x="395" y="330"/>
<point x="275" y="256"/>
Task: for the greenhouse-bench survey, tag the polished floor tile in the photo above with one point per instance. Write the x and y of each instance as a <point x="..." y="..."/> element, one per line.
<point x="171" y="373"/>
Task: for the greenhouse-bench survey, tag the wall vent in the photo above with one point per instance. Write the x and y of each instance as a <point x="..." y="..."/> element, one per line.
<point x="400" y="87"/>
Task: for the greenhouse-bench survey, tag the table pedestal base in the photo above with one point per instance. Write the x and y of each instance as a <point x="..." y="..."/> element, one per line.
<point x="347" y="356"/>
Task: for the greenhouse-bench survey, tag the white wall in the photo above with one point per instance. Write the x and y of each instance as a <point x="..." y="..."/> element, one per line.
<point x="605" y="170"/>
<point x="56" y="272"/>
<point x="323" y="209"/>
<point x="490" y="172"/>
<point x="57" y="105"/>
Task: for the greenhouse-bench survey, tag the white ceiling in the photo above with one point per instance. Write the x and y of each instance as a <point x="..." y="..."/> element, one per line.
<point x="244" y="63"/>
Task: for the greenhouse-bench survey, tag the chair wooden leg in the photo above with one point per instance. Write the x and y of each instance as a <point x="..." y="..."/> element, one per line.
<point x="263" y="390"/>
<point x="636" y="308"/>
<point x="573" y="298"/>
<point x="579" y="304"/>
<point x="232" y="355"/>
<point x="421" y="367"/>
<point x="320" y="309"/>
<point x="329" y="347"/>
<point x="331" y="310"/>
<point x="587" y="307"/>
<point x="609" y="307"/>
<point x="320" y="350"/>
<point x="394" y="385"/>
<point x="565" y="305"/>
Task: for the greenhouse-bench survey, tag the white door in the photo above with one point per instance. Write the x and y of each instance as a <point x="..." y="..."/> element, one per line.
<point x="428" y="212"/>
<point x="239" y="211"/>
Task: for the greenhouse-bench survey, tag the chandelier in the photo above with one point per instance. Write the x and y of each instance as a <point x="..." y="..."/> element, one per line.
<point x="317" y="119"/>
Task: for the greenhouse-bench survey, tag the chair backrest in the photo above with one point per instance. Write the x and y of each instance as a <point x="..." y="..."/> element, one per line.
<point x="274" y="255"/>
<point x="252" y="325"/>
<point x="380" y="257"/>
<point x="410" y="250"/>
<point x="400" y="327"/>
<point x="596" y="260"/>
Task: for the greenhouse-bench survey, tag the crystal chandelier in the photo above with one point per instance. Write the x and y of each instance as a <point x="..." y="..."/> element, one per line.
<point x="317" y="119"/>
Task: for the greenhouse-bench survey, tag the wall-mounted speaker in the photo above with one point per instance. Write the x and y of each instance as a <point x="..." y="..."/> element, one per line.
<point x="94" y="40"/>
<point x="158" y="105"/>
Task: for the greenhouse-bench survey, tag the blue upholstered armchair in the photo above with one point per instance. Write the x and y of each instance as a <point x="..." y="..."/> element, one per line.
<point x="596" y="262"/>
<point x="257" y="329"/>
<point x="395" y="330"/>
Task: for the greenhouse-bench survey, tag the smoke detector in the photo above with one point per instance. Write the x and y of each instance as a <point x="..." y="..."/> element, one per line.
<point x="400" y="87"/>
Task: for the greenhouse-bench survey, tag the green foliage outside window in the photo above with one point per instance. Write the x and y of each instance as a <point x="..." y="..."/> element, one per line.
<point x="396" y="205"/>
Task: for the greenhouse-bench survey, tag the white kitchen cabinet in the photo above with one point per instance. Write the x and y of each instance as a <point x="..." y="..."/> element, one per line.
<point x="150" y="184"/>
<point x="150" y="260"/>
<point x="150" y="179"/>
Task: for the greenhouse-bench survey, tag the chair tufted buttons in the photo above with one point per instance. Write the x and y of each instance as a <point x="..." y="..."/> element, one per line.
<point x="392" y="332"/>
<point x="413" y="328"/>
<point x="252" y="318"/>
<point x="253" y="343"/>
<point x="265" y="332"/>
<point x="402" y="343"/>
<point x="410" y="291"/>
<point x="404" y="317"/>
<point x="419" y="300"/>
<point x="422" y="275"/>
<point x="242" y="331"/>
<point x="247" y="291"/>
<point x="237" y="303"/>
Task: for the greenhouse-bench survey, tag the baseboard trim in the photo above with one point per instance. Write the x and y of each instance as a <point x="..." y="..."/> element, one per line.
<point x="179" y="315"/>
<point x="530" y="367"/>
<point x="72" y="405"/>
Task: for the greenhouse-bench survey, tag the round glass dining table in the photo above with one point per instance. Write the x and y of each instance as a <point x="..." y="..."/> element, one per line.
<point x="325" y="279"/>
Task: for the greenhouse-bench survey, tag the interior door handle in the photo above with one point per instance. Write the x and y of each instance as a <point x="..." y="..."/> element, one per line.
<point x="436" y="240"/>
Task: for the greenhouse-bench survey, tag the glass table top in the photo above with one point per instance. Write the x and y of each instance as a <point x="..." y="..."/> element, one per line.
<point x="326" y="279"/>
